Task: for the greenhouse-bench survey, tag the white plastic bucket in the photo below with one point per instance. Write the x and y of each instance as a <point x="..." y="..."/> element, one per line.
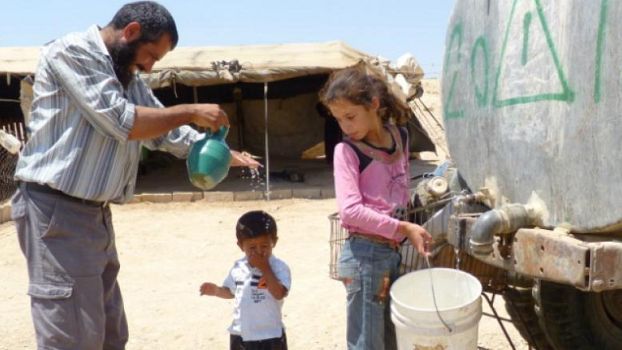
<point x="417" y="323"/>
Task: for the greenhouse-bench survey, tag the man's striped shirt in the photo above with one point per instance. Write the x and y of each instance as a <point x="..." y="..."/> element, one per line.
<point x="80" y="120"/>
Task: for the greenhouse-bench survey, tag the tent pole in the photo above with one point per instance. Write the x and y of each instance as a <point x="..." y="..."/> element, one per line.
<point x="195" y="98"/>
<point x="239" y="115"/>
<point x="265" y="99"/>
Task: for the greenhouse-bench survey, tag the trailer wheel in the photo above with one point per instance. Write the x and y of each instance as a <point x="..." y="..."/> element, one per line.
<point x="573" y="319"/>
<point x="519" y="305"/>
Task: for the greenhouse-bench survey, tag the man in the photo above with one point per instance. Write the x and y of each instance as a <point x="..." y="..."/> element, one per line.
<point x="90" y="115"/>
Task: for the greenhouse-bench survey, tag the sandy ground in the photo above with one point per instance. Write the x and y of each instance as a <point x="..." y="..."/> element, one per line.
<point x="167" y="250"/>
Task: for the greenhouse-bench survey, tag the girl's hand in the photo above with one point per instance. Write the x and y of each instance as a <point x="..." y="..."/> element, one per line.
<point x="208" y="288"/>
<point x="417" y="235"/>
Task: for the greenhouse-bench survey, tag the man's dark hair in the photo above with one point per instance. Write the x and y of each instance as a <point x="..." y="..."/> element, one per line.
<point x="254" y="224"/>
<point x="154" y="20"/>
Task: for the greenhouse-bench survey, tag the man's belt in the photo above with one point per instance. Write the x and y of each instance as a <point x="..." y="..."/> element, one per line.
<point x="35" y="187"/>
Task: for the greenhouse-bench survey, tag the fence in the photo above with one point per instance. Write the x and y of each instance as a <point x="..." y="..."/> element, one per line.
<point x="410" y="258"/>
<point x="8" y="161"/>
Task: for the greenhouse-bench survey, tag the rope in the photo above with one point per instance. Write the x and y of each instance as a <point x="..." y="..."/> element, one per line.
<point x="433" y="130"/>
<point x="265" y="99"/>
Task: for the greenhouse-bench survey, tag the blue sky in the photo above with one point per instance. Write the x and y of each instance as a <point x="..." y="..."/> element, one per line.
<point x="391" y="30"/>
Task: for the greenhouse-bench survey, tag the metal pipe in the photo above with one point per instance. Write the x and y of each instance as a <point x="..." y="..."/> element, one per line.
<point x="265" y="96"/>
<point x="239" y="115"/>
<point x="506" y="219"/>
<point x="482" y="234"/>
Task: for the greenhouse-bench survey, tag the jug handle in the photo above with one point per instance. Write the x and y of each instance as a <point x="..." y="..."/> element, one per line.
<point x="220" y="134"/>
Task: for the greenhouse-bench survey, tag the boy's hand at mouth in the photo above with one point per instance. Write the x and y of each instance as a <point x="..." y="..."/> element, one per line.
<point x="259" y="261"/>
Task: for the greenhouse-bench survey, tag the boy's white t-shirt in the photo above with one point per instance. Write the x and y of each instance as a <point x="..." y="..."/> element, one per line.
<point x="256" y="314"/>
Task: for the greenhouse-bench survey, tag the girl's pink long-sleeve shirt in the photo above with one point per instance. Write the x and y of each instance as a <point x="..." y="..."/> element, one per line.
<point x="368" y="199"/>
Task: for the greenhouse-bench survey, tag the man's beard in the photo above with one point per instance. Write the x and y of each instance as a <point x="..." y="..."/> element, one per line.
<point x="123" y="56"/>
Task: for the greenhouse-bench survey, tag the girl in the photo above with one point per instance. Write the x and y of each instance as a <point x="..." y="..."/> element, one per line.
<point x="371" y="184"/>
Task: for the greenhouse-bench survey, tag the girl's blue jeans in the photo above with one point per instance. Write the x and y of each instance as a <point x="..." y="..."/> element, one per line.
<point x="367" y="270"/>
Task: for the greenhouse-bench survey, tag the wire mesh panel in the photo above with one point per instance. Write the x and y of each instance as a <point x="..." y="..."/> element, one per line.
<point x="8" y="161"/>
<point x="410" y="261"/>
<point x="338" y="236"/>
<point x="442" y="254"/>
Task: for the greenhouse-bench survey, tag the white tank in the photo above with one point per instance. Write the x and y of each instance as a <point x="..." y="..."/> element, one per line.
<point x="532" y="98"/>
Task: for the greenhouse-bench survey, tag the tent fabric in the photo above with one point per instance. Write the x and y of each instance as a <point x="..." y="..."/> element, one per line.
<point x="19" y="60"/>
<point x="260" y="63"/>
<point x="196" y="66"/>
<point x="252" y="64"/>
<point x="205" y="66"/>
<point x="202" y="66"/>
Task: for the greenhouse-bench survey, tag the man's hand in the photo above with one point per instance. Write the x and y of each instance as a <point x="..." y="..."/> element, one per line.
<point x="209" y="115"/>
<point x="153" y="122"/>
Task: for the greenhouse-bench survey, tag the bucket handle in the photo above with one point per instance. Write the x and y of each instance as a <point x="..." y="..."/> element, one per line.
<point x="438" y="313"/>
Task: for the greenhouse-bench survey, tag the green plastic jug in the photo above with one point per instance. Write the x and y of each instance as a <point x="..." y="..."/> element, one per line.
<point x="209" y="159"/>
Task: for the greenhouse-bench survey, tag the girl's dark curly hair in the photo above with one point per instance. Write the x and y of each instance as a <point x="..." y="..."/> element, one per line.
<point x="359" y="86"/>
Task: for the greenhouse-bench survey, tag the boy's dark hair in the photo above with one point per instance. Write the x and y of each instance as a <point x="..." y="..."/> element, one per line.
<point x="358" y="85"/>
<point x="254" y="224"/>
<point x="154" y="20"/>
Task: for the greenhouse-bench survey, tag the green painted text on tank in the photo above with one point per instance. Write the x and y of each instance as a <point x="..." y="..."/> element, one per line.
<point x="455" y="34"/>
<point x="482" y="96"/>
<point x="566" y="94"/>
<point x="526" y="24"/>
<point x="600" y="43"/>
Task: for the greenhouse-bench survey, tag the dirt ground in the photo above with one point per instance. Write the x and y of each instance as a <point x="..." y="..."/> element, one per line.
<point x="168" y="250"/>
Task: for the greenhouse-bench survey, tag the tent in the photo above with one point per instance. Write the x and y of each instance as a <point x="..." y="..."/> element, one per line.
<point x="268" y="91"/>
<point x="286" y="76"/>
